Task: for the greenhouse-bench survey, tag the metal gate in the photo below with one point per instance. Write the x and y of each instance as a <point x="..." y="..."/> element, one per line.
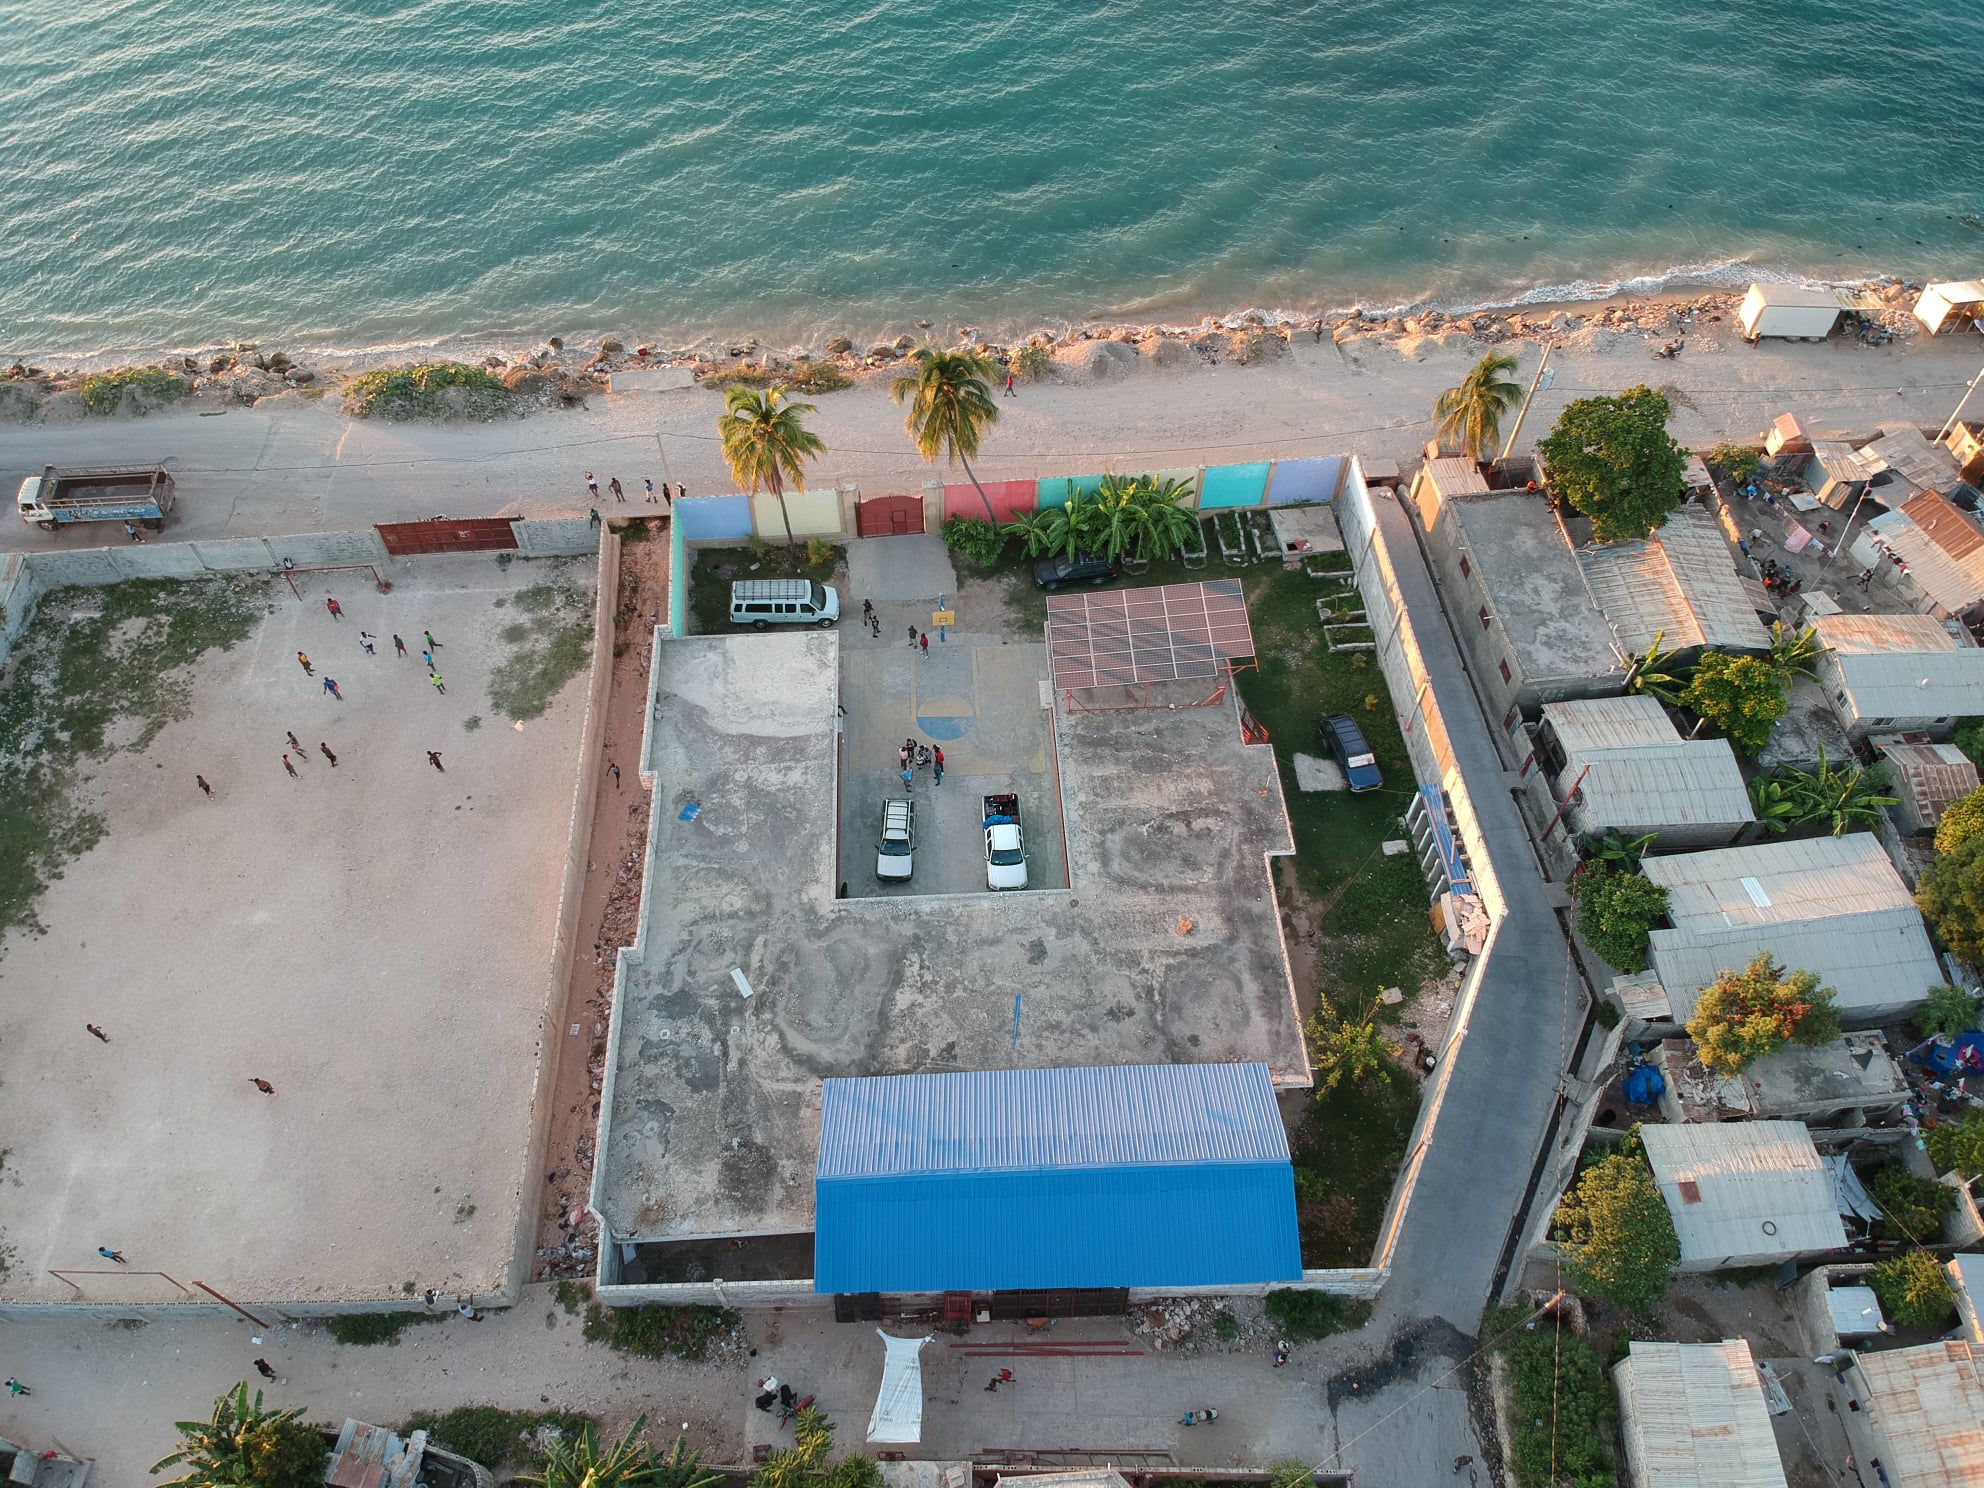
<point x="449" y="535"/>
<point x="889" y="516"/>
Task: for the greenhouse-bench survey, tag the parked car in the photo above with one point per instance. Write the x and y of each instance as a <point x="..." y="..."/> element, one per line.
<point x="1083" y="568"/>
<point x="763" y="603"/>
<point x="1005" y="844"/>
<point x="1345" y="742"/>
<point x="893" y="850"/>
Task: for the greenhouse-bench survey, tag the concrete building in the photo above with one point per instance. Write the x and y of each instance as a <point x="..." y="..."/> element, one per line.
<point x="1680" y="585"/>
<point x="1621" y="764"/>
<point x="1886" y="674"/>
<point x="1517" y="598"/>
<point x="1925" y="780"/>
<point x="1921" y="1415"/>
<point x="1692" y="1415"/>
<point x="1850" y="1081"/>
<point x="1744" y="1193"/>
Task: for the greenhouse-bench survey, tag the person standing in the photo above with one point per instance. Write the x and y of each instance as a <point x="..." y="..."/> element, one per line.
<point x="937" y="765"/>
<point x="434" y="759"/>
<point x="923" y="642"/>
<point x="303" y="660"/>
<point x="130" y="532"/>
<point x="201" y="782"/>
<point x="592" y="517"/>
<point x="337" y="611"/>
<point x="615" y="769"/>
<point x="290" y="766"/>
<point x="112" y="1255"/>
<point x="439" y="685"/>
<point x="912" y="636"/>
<point x="908" y="778"/>
<point x="681" y="491"/>
<point x="613" y="485"/>
<point x="325" y="750"/>
<point x="902" y="754"/>
<point x="875" y="625"/>
<point x="1009" y="384"/>
<point x="467" y="1309"/>
<point x="1460" y="1462"/>
<point x="592" y="486"/>
<point x="399" y="646"/>
<point x="647" y="482"/>
<point x="97" y="1033"/>
<point x="262" y="1085"/>
<point x="331" y="686"/>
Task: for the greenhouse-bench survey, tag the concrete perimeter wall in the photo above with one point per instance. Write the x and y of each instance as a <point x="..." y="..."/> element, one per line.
<point x="1359" y="1283"/>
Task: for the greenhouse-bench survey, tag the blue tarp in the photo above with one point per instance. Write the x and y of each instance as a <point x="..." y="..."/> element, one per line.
<point x="1940" y="1058"/>
<point x="1643" y="1086"/>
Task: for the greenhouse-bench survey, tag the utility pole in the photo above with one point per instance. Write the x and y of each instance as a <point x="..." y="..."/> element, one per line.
<point x="1944" y="432"/>
<point x="1534" y="383"/>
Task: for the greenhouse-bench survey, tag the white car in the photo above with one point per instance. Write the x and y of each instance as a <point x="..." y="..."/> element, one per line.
<point x="893" y="852"/>
<point x="1005" y="844"/>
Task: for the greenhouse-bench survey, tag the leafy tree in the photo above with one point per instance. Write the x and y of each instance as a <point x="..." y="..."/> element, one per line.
<point x="766" y="444"/>
<point x="1031" y="363"/>
<point x="1736" y="462"/>
<point x="1950" y="895"/>
<point x="1617" y="910"/>
<point x="1744" y="1015"/>
<point x="1913" y="1288"/>
<point x="1613" y="460"/>
<point x="950" y="407"/>
<point x="1738" y="695"/>
<point x="1949" y="1011"/>
<point x="1964" y="819"/>
<point x="1913" y="1208"/>
<point x="1795" y="653"/>
<point x="1968" y="735"/>
<point x="1305" y="1316"/>
<point x="1613" y="849"/>
<point x="579" y="1461"/>
<point x="245" y="1446"/>
<point x="1619" y="1239"/>
<point x="1957" y="1146"/>
<point x="1469" y="417"/>
<point x="1343" y="1048"/>
<point x="976" y="538"/>
<point x="1656" y="676"/>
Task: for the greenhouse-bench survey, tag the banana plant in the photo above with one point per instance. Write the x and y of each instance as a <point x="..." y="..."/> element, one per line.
<point x="1846" y="798"/>
<point x="1655" y="675"/>
<point x="1795" y="653"/>
<point x="1615" y="850"/>
<point x="1775" y="802"/>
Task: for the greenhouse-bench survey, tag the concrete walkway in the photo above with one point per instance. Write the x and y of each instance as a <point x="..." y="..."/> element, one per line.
<point x="892" y="570"/>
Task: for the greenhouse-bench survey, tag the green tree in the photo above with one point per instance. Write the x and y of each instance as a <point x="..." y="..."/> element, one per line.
<point x="1843" y="798"/>
<point x="976" y="538"/>
<point x="1656" y="676"/>
<point x="1912" y="1208"/>
<point x="1469" y="417"/>
<point x="1913" y="1288"/>
<point x="1958" y="1146"/>
<point x="1961" y="821"/>
<point x="1353" y="1049"/>
<point x="245" y="1446"/>
<point x="766" y="444"/>
<point x="1950" y="895"/>
<point x="1613" y="849"/>
<point x="1744" y="1015"/>
<point x="1618" y="1238"/>
<point x="579" y="1461"/>
<point x="950" y="407"/>
<point x="1948" y="1010"/>
<point x="1736" y="462"/>
<point x="1968" y="735"/>
<point x="1617" y="910"/>
<point x="1795" y="653"/>
<point x="1737" y="695"/>
<point x="1613" y="460"/>
<point x="812" y="1439"/>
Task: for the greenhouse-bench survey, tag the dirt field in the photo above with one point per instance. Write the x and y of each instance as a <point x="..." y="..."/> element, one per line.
<point x="372" y="939"/>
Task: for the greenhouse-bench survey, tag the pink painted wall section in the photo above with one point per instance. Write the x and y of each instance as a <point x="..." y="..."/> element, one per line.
<point x="1008" y="499"/>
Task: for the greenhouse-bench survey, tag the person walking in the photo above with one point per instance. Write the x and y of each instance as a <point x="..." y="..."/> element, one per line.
<point x="294" y="742"/>
<point x="432" y="644"/>
<point x="647" y="481"/>
<point x="912" y="636"/>
<point x="467" y="1308"/>
<point x="130" y="532"/>
<point x="290" y="766"/>
<point x="331" y="686"/>
<point x="15" y="1387"/>
<point x="265" y="1369"/>
<point x="908" y="778"/>
<point x="399" y="646"/>
<point x="112" y="1255"/>
<point x="615" y="771"/>
<point x="923" y="642"/>
<point x="337" y="611"/>
<point x="303" y="660"/>
<point x="613" y="485"/>
<point x="937" y="765"/>
<point x="867" y="612"/>
<point x="366" y="639"/>
<point x="262" y="1085"/>
<point x="434" y="759"/>
<point x="1009" y="384"/>
<point x="325" y="750"/>
<point x="875" y="625"/>
<point x="97" y="1033"/>
<point x="439" y="685"/>
<point x="428" y="657"/>
<point x="592" y="486"/>
<point x="201" y="782"/>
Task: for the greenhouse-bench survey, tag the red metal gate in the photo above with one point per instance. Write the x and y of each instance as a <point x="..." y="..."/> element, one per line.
<point x="889" y="516"/>
<point x="449" y="535"/>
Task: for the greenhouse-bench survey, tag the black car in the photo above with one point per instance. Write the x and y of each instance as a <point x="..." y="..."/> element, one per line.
<point x="1083" y="568"/>
<point x="1345" y="742"/>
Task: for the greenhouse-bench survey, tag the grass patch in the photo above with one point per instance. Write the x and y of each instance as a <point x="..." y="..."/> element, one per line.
<point x="98" y="673"/>
<point x="548" y="648"/>
<point x="805" y="378"/>
<point x="711" y="571"/>
<point x="365" y="1328"/>
<point x="1346" y="1152"/>
<point x="1304" y="1316"/>
<point x="432" y="390"/>
<point x="572" y="1295"/>
<point x="658" y="1332"/>
<point x="495" y="1438"/>
<point x="103" y="393"/>
<point x="1563" y="1406"/>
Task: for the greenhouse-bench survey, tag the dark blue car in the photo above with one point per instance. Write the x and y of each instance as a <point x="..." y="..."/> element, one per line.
<point x="1345" y="742"/>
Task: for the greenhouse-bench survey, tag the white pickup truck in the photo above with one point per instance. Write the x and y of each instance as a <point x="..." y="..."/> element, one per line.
<point x="1005" y="845"/>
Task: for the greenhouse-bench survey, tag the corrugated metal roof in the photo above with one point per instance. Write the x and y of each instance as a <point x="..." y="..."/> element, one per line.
<point x="1830" y="905"/>
<point x="1453" y="475"/>
<point x="1930" y="777"/>
<point x="1911" y="454"/>
<point x="1928" y="1402"/>
<point x="1694" y="1417"/>
<point x="1795" y="294"/>
<point x="1932" y="570"/>
<point x="1967" y="1277"/>
<point x="1761" y="1189"/>
<point x="1949" y="529"/>
<point x="1032" y="1120"/>
<point x="1902" y="666"/>
<point x="1634" y="769"/>
<point x="1836" y="460"/>
<point x="1856" y="1311"/>
<point x="1883" y="635"/>
<point x="1593" y="725"/>
<point x="1680" y="584"/>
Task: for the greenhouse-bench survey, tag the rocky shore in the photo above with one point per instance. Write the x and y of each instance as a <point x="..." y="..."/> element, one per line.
<point x="555" y="374"/>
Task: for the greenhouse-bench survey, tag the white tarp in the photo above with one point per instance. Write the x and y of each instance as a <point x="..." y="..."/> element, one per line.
<point x="898" y="1414"/>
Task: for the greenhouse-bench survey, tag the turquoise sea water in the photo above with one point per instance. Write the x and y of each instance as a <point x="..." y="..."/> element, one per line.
<point x="362" y="174"/>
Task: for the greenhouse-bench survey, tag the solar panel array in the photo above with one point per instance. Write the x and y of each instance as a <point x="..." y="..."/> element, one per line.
<point x="1146" y="635"/>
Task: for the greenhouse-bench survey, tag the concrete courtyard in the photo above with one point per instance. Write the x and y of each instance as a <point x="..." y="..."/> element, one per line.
<point x="373" y="939"/>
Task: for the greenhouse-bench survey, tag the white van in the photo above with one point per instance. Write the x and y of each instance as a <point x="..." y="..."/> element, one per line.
<point x="760" y="603"/>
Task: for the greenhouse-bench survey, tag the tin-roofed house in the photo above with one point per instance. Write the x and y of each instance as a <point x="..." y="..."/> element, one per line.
<point x="1830" y="905"/>
<point x="1679" y="586"/>
<point x="1886" y="674"/>
<point x="1920" y="1415"/>
<point x="1925" y="780"/>
<point x="1621" y="765"/>
<point x="1940" y="546"/>
<point x="1692" y="1416"/>
<point x="1744" y="1193"/>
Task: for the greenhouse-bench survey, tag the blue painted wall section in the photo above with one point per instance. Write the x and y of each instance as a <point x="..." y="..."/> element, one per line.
<point x="1305" y="480"/>
<point x="714" y="518"/>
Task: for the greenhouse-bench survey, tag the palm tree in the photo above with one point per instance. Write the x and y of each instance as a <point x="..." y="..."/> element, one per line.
<point x="580" y="1462"/>
<point x="1072" y="525"/>
<point x="765" y="444"/>
<point x="1846" y="798"/>
<point x="1167" y="523"/>
<point x="1471" y="415"/>
<point x="1034" y="531"/>
<point x="1653" y="675"/>
<point x="244" y="1444"/>
<point x="950" y="407"/>
<point x="1795" y="653"/>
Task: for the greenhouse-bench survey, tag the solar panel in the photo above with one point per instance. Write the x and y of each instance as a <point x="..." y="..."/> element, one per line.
<point x="1165" y="634"/>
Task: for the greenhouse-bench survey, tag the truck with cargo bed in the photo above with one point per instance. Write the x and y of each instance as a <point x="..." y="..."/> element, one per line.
<point x="139" y="494"/>
<point x="1005" y="845"/>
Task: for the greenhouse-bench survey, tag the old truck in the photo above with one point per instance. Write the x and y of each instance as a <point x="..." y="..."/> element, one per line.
<point x="139" y="494"/>
<point x="1005" y="845"/>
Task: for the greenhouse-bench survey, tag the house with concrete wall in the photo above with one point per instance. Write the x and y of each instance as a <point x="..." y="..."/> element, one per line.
<point x="1619" y="764"/>
<point x="1744" y="1193"/>
<point x="1887" y="674"/>
<point x="1848" y="1082"/>
<point x="1692" y="1415"/>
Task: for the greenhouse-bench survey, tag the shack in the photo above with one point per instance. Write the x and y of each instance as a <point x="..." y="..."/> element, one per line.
<point x="1744" y="1193"/>
<point x="1952" y="306"/>
<point x="1789" y="310"/>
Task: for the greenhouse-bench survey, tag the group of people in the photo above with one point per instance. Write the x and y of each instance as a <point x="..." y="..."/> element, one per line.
<point x="913" y="756"/>
<point x="1779" y="580"/>
<point x="663" y="498"/>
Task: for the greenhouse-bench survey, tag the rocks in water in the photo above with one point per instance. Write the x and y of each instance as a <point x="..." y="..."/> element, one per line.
<point x="904" y="345"/>
<point x="839" y="346"/>
<point x="556" y="343"/>
<point x="301" y="375"/>
<point x="611" y="347"/>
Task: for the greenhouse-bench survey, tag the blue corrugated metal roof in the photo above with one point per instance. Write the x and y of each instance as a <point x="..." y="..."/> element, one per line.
<point x="1030" y="1119"/>
<point x="1143" y="1175"/>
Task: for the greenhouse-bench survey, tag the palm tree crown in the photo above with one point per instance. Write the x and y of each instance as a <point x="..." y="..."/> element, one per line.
<point x="1471" y="415"/>
<point x="950" y="407"/>
<point x="766" y="443"/>
<point x="244" y="1443"/>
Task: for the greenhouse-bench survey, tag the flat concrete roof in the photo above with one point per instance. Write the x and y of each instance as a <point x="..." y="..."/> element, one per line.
<point x="1536" y="588"/>
<point x="711" y="1106"/>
